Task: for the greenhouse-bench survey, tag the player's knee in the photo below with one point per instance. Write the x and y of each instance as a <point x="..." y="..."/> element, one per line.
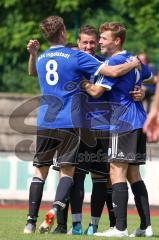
<point x="118" y="173"/>
<point x="42" y="172"/>
<point x="134" y="177"/>
<point x="133" y="174"/>
<point x="67" y="171"/>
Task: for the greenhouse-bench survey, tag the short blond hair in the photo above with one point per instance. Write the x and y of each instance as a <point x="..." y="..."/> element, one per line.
<point x="117" y="29"/>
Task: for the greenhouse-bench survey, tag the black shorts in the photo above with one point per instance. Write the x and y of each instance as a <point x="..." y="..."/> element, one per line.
<point x="92" y="156"/>
<point x="93" y="159"/>
<point x="63" y="143"/>
<point x="129" y="147"/>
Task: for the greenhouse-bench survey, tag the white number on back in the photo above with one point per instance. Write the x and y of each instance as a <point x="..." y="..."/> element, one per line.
<point x="51" y="68"/>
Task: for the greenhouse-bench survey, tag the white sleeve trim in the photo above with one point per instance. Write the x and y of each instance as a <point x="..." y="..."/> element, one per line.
<point x="151" y="76"/>
<point x="104" y="85"/>
<point x="98" y="70"/>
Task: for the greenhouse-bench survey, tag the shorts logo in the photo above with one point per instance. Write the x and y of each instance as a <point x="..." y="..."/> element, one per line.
<point x="114" y="205"/>
<point x="121" y="154"/>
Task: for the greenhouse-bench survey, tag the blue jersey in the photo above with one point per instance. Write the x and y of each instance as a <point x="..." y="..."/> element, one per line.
<point x="124" y="114"/>
<point x="60" y="71"/>
<point x="151" y="87"/>
<point x="91" y="109"/>
<point x="92" y="79"/>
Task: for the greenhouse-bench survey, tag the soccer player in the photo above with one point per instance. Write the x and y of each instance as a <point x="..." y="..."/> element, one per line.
<point x="55" y="127"/>
<point x="127" y="147"/>
<point x="151" y="126"/>
<point x="88" y="41"/>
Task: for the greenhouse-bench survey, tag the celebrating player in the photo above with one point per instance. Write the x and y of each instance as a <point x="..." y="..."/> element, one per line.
<point x="127" y="148"/>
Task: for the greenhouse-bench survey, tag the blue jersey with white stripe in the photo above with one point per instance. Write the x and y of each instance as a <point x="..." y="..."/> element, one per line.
<point x="125" y="114"/>
<point x="60" y="71"/>
<point x="92" y="79"/>
<point x="91" y="108"/>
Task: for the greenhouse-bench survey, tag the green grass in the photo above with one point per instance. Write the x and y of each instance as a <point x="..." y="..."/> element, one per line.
<point x="12" y="223"/>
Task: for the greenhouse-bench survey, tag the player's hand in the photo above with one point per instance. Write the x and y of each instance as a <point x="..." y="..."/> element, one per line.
<point x="136" y="61"/>
<point x="151" y="126"/>
<point x="33" y="46"/>
<point x="138" y="93"/>
<point x="84" y="84"/>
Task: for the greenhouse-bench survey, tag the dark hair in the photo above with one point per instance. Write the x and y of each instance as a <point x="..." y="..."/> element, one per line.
<point x="51" y="28"/>
<point x="89" y="30"/>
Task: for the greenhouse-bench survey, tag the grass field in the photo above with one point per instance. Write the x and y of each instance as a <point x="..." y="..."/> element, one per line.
<point x="12" y="223"/>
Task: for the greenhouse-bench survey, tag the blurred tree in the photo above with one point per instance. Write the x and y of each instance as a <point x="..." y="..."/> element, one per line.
<point x="20" y="19"/>
<point x="142" y="19"/>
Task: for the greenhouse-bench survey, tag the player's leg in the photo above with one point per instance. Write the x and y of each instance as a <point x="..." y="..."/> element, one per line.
<point x="77" y="193"/>
<point x="109" y="203"/>
<point x="61" y="197"/>
<point x="118" y="174"/>
<point x="141" y="201"/>
<point x="100" y="174"/>
<point x="139" y="188"/>
<point x="66" y="158"/>
<point x="76" y="202"/>
<point x="98" y="198"/>
<point x="42" y="162"/>
<point x="35" y="196"/>
<point x="62" y="216"/>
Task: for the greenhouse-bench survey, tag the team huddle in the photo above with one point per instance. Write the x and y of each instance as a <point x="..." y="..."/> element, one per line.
<point x="90" y="120"/>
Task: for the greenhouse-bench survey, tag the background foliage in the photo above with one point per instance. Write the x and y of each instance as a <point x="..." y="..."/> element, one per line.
<point x="20" y="19"/>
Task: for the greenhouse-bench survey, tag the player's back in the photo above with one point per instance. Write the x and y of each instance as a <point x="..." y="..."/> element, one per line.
<point x="60" y="71"/>
<point x="56" y="67"/>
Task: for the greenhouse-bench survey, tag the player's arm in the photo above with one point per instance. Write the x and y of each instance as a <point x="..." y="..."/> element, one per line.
<point x="92" y="89"/>
<point x="147" y="75"/>
<point x="138" y="93"/>
<point x="32" y="47"/>
<point x="119" y="70"/>
<point x="151" y="126"/>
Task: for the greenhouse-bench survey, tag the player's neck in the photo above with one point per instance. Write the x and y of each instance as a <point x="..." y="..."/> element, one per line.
<point x="61" y="42"/>
<point x="117" y="51"/>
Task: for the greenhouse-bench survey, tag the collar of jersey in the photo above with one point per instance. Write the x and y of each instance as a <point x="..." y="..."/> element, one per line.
<point x="57" y="46"/>
<point x="122" y="52"/>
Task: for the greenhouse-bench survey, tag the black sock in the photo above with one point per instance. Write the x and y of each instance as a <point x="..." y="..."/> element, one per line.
<point x="98" y="198"/>
<point x="142" y="203"/>
<point x="35" y="196"/>
<point x="62" y="216"/>
<point x="120" y="200"/>
<point x="63" y="192"/>
<point x="77" y="193"/>
<point x="112" y="218"/>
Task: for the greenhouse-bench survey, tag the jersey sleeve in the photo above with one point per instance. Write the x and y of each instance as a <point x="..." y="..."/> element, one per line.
<point x="146" y="72"/>
<point x="107" y="82"/>
<point x="88" y="64"/>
